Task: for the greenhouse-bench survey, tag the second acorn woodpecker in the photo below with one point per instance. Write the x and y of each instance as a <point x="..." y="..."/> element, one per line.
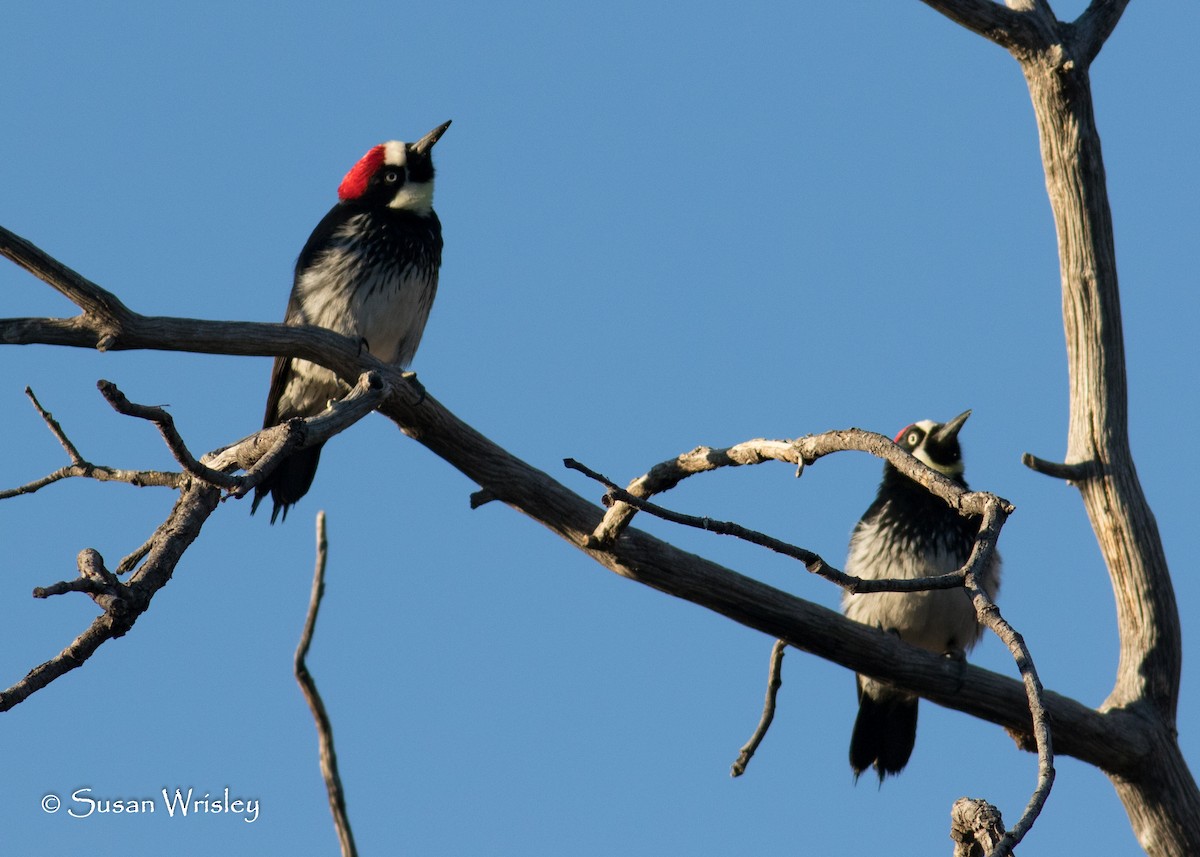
<point x="370" y="271"/>
<point x="907" y="533"/>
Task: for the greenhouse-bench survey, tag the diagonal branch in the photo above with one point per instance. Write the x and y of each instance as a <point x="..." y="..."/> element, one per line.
<point x="81" y="291"/>
<point x="1014" y="29"/>
<point x="813" y="562"/>
<point x="166" y="427"/>
<point x="124" y="604"/>
<point x="988" y="614"/>
<point x="1094" y="26"/>
<point x="1115" y="741"/>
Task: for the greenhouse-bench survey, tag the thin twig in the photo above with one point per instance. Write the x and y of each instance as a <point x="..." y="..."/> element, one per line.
<point x="123" y="603"/>
<point x="989" y="616"/>
<point x="55" y="428"/>
<point x="667" y="474"/>
<point x="81" y="467"/>
<point x="774" y="682"/>
<point x="87" y="470"/>
<point x="130" y="561"/>
<point x="801" y="452"/>
<point x="166" y="427"/>
<point x="259" y="453"/>
<point x="813" y="562"/>
<point x="329" y="767"/>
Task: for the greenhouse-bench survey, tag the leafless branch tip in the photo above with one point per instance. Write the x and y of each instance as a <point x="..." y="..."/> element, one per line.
<point x="329" y="766"/>
<point x="774" y="682"/>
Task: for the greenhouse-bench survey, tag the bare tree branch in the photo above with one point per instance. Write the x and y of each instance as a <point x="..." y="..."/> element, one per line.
<point x="123" y="606"/>
<point x="329" y="766"/>
<point x="774" y="682"/>
<point x="81" y="467"/>
<point x="1161" y="792"/>
<point x="800" y="452"/>
<point x="108" y="325"/>
<point x="976" y="828"/>
<point x="79" y="290"/>
<point x="988" y="614"/>
<point x="1115" y="740"/>
<point x="123" y="602"/>
<point x="166" y="426"/>
<point x="1068" y="472"/>
<point x="1094" y="26"/>
<point x="1014" y="29"/>
<point x="259" y="453"/>
<point x="813" y="562"/>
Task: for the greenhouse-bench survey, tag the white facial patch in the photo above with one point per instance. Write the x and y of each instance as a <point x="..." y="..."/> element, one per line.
<point x="416" y="197"/>
<point x="395" y="153"/>
<point x="922" y="455"/>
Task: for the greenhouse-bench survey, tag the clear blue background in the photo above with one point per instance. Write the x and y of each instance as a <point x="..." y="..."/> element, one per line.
<point x="666" y="225"/>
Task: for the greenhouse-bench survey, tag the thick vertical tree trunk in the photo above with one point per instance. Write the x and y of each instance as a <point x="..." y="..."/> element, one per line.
<point x="1157" y="789"/>
<point x="1160" y="796"/>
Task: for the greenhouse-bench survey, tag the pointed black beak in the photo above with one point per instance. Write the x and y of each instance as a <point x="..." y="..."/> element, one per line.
<point x="422" y="146"/>
<point x="949" y="431"/>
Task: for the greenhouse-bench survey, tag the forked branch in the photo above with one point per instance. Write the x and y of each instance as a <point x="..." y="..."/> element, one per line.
<point x="123" y="602"/>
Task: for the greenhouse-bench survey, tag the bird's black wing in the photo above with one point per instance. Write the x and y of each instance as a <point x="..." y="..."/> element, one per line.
<point x="317" y="242"/>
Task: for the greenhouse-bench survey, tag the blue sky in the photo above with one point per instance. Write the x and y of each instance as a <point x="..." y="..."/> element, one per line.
<point x="666" y="225"/>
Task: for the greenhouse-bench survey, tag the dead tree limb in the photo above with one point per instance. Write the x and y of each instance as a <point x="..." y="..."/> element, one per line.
<point x="1055" y="58"/>
<point x="976" y="827"/>
<point x="1113" y="740"/>
<point x="308" y="686"/>
<point x="123" y="602"/>
<point x="995" y="512"/>
<point x="774" y="682"/>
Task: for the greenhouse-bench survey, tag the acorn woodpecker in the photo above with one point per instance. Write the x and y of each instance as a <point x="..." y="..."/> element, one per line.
<point x="907" y="532"/>
<point x="370" y="271"/>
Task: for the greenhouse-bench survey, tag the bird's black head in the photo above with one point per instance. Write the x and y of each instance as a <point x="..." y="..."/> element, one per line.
<point x="936" y="444"/>
<point x="394" y="175"/>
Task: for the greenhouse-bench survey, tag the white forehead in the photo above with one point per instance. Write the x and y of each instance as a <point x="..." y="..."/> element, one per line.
<point x="395" y="153"/>
<point x="926" y="425"/>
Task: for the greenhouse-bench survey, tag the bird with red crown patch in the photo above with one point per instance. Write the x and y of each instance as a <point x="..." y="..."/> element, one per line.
<point x="369" y="271"/>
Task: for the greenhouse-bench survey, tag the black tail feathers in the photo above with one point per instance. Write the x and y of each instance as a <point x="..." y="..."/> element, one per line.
<point x="884" y="731"/>
<point x="288" y="482"/>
